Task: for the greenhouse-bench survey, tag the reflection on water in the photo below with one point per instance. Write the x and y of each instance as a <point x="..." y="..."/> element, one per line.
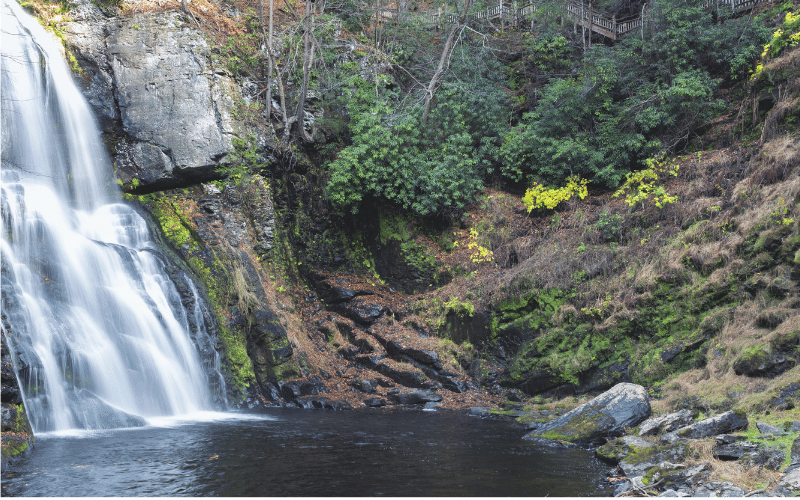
<point x="306" y="453"/>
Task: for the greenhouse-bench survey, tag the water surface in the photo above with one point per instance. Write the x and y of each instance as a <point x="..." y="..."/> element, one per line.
<point x="307" y="453"/>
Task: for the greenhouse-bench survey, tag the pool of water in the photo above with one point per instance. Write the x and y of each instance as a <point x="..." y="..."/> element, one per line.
<point x="306" y="453"/>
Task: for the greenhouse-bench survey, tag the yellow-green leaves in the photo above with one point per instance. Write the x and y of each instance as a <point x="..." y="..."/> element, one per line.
<point x="539" y="196"/>
<point x="647" y="184"/>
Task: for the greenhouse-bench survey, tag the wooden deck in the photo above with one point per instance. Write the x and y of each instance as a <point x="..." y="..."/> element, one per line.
<point x="580" y="13"/>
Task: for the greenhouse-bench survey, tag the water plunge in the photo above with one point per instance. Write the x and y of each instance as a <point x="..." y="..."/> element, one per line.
<point x="105" y="332"/>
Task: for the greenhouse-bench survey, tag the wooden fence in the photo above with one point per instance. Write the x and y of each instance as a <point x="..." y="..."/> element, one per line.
<point x="581" y="13"/>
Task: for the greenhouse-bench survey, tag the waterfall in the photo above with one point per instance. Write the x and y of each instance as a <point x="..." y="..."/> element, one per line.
<point x="101" y="336"/>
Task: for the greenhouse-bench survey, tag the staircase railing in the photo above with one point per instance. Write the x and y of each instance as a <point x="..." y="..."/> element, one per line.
<point x="583" y="13"/>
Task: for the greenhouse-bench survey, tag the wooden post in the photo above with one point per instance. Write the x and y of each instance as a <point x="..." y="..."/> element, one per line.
<point x="591" y="22"/>
<point x="614" y="28"/>
<point x="583" y="27"/>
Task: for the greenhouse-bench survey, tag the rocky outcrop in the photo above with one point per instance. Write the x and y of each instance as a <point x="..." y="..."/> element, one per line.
<point x="667" y="423"/>
<point x="636" y="456"/>
<point x="720" y="424"/>
<point x="17" y="438"/>
<point x="414" y="397"/>
<point x="624" y="405"/>
<point x="154" y="86"/>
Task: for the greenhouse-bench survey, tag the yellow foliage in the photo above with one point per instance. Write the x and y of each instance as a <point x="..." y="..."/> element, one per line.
<point x="481" y="254"/>
<point x="646" y="184"/>
<point x="539" y="196"/>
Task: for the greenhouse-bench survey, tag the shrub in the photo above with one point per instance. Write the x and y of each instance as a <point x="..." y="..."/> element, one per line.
<point x="539" y="196"/>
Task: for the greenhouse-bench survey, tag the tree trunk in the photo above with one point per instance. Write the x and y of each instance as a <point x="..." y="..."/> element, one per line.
<point x="308" y="54"/>
<point x="271" y="67"/>
<point x="441" y="68"/>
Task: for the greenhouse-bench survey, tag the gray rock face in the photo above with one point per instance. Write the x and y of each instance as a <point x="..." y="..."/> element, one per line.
<point x="720" y="424"/>
<point x="151" y="76"/>
<point x="624" y="405"/>
<point x="765" y="428"/>
<point x="667" y="423"/>
<point x="791" y="481"/>
<point x="795" y="456"/>
<point x="719" y="489"/>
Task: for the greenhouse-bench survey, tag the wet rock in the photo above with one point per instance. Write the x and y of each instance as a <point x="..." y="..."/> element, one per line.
<point x="431" y="405"/>
<point x="10" y="388"/>
<point x="375" y="402"/>
<point x="480" y="411"/>
<point x="321" y="403"/>
<point x="414" y="397"/>
<point x="623" y="488"/>
<point x="625" y="405"/>
<point x="667" y="423"/>
<point x="721" y="424"/>
<point x="290" y="391"/>
<point x="765" y="428"/>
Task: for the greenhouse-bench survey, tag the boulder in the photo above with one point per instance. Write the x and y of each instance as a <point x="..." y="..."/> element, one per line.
<point x="768" y="458"/>
<point x="480" y="411"/>
<point x="367" y="386"/>
<point x="414" y="397"/>
<point x="791" y="481"/>
<point x="729" y="447"/>
<point x="636" y="456"/>
<point x="624" y="405"/>
<point x="320" y="403"/>
<point x="616" y="450"/>
<point x="375" y="402"/>
<point x="794" y="455"/>
<point x="667" y="423"/>
<point x="719" y="489"/>
<point x="364" y="310"/>
<point x="765" y="428"/>
<point x="720" y="424"/>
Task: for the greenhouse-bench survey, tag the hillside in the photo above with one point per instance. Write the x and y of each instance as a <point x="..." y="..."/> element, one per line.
<point x="398" y="229"/>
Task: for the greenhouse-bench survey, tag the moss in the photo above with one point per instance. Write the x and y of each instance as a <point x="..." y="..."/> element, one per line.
<point x="173" y="216"/>
<point x="657" y="473"/>
<point x="582" y="427"/>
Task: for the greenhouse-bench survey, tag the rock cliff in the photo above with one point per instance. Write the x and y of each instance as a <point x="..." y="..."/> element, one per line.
<point x="158" y="94"/>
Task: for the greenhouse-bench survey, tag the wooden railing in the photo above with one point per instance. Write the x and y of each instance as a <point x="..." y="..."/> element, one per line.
<point x="580" y="12"/>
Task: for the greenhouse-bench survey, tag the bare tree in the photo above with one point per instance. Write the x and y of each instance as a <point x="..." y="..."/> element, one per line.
<point x="436" y="79"/>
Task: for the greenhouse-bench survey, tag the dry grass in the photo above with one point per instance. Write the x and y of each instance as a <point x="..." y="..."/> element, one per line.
<point x="738" y="473"/>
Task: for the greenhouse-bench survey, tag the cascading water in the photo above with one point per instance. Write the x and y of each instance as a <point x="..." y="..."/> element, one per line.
<point x="101" y="335"/>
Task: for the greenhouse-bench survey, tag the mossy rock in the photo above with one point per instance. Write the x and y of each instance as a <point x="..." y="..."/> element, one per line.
<point x="616" y="450"/>
<point x="625" y="405"/>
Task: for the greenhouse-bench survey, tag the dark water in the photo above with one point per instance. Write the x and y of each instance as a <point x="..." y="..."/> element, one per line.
<point x="308" y="453"/>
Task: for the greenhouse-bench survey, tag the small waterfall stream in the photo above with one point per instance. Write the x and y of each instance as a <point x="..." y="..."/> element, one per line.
<point x="100" y="334"/>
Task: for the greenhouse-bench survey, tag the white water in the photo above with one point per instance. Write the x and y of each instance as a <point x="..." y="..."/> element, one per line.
<point x="99" y="335"/>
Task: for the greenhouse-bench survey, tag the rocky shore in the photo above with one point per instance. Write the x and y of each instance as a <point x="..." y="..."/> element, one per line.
<point x="673" y="455"/>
